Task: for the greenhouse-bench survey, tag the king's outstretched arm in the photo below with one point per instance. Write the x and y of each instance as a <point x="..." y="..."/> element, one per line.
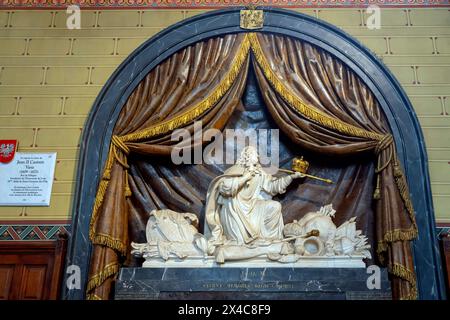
<point x="276" y="186"/>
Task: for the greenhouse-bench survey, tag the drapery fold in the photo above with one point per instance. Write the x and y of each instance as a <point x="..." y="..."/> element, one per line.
<point x="202" y="82"/>
<point x="325" y="107"/>
<point x="313" y="98"/>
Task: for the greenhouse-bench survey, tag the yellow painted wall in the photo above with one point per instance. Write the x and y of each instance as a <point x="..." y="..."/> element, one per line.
<point x="50" y="76"/>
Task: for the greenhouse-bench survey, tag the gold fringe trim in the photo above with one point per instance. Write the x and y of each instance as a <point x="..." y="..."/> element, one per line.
<point x="116" y="148"/>
<point x="402" y="272"/>
<point x="97" y="280"/>
<point x="109" y="164"/>
<point x="101" y="191"/>
<point x="411" y="296"/>
<point x="393" y="236"/>
<point x="110" y="242"/>
<point x="93" y="297"/>
<point x="402" y="187"/>
<point x="400" y="234"/>
<point x="199" y="109"/>
<point x="302" y="108"/>
<point x="399" y="270"/>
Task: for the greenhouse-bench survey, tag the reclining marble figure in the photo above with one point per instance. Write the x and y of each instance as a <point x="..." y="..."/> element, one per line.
<point x="243" y="223"/>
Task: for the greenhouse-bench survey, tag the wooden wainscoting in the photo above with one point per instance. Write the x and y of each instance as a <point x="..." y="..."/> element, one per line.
<point x="31" y="270"/>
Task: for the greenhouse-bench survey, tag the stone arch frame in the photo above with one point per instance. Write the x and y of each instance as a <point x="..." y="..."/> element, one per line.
<point x="391" y="97"/>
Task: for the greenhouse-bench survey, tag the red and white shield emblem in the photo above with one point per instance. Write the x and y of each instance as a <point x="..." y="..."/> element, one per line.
<point x="7" y="150"/>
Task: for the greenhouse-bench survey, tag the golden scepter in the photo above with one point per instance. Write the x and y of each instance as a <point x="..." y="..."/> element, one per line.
<point x="300" y="165"/>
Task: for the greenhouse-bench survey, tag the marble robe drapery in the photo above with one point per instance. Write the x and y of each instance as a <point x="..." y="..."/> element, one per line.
<point x="241" y="211"/>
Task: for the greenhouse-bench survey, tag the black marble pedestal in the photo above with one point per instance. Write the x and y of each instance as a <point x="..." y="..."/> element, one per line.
<point x="249" y="283"/>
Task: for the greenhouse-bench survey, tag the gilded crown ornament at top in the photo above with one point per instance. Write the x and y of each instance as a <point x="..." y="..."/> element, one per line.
<point x="251" y="18"/>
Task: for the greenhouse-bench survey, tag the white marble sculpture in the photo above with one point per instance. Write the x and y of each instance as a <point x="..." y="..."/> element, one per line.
<point x="244" y="227"/>
<point x="171" y="235"/>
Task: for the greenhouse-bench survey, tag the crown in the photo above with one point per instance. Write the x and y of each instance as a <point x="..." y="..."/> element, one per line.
<point x="300" y="165"/>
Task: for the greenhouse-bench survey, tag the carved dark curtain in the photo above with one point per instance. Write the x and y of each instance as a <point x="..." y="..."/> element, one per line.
<point x="314" y="99"/>
<point x="204" y="81"/>
<point x="347" y="120"/>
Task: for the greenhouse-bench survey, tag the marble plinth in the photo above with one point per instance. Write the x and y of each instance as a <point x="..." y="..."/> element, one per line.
<point x="249" y="283"/>
<point x="303" y="262"/>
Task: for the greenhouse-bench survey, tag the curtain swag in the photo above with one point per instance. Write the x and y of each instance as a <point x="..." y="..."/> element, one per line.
<point x="226" y="90"/>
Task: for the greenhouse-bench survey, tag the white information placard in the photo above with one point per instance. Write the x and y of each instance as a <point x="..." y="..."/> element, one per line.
<point x="27" y="180"/>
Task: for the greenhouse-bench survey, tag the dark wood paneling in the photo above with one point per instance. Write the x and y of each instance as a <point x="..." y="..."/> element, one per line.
<point x="32" y="282"/>
<point x="6" y="276"/>
<point x="31" y="270"/>
<point x="445" y="245"/>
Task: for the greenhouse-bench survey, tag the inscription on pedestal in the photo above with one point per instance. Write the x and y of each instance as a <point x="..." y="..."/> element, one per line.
<point x="248" y="283"/>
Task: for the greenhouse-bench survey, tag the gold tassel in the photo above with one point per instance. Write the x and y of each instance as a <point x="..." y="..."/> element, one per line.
<point x="397" y="171"/>
<point x="377" y="194"/>
<point x="127" y="186"/>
